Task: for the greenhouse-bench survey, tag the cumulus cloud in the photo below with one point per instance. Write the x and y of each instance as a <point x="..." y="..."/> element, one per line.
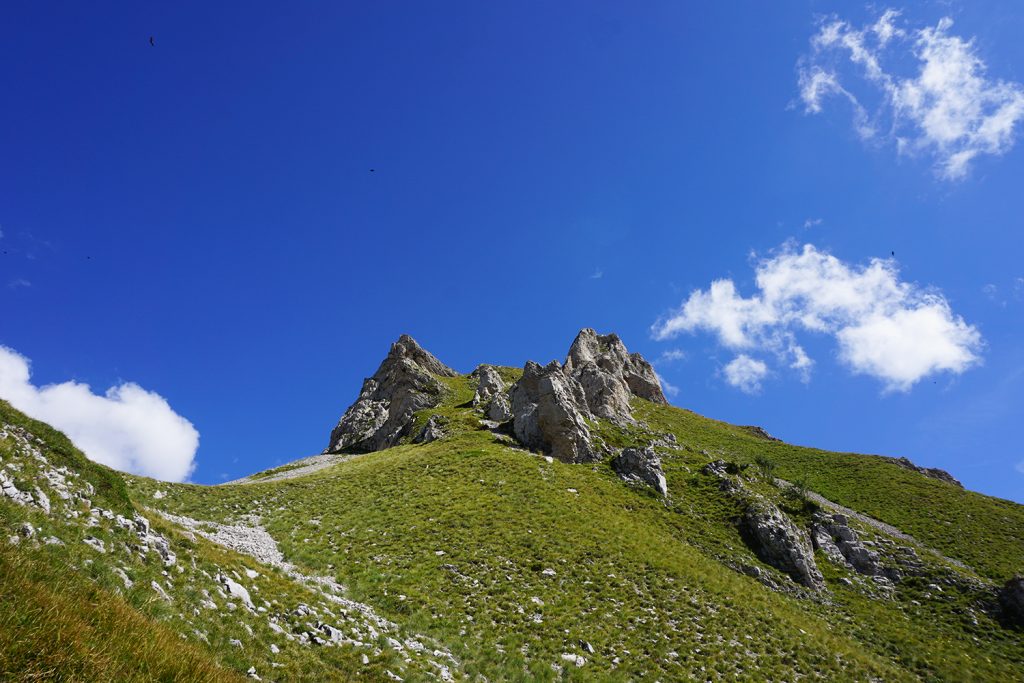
<point x="669" y="389"/>
<point x="745" y="373"/>
<point x="895" y="331"/>
<point x="127" y="428"/>
<point x="671" y="356"/>
<point x="946" y="106"/>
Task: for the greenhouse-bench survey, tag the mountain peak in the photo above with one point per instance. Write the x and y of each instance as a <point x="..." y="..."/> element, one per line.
<point x="406" y="382"/>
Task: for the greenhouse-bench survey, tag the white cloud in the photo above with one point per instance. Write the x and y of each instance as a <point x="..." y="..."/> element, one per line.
<point x="1020" y="467"/>
<point x="127" y="428"/>
<point x="18" y="283"/>
<point x="812" y="223"/>
<point x="597" y="274"/>
<point x="895" y="331"/>
<point x="745" y="373"/>
<point x="669" y="389"/>
<point x="671" y="356"/>
<point x="946" y="107"/>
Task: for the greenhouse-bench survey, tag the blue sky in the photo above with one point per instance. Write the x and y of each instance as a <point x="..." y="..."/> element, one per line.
<point x="195" y="225"/>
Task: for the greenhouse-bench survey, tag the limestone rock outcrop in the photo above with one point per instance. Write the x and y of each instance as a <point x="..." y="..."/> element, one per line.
<point x="641" y="465"/>
<point x="490" y="396"/>
<point x="840" y="543"/>
<point x="769" y="532"/>
<point x="550" y="412"/>
<point x="406" y="382"/>
<point x="781" y="543"/>
<point x="552" y="405"/>
<point x="610" y="375"/>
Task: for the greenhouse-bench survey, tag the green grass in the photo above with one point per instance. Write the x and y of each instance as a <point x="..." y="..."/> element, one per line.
<point x="982" y="531"/>
<point x="454" y="540"/>
<point x="109" y="485"/>
<point x="56" y="626"/>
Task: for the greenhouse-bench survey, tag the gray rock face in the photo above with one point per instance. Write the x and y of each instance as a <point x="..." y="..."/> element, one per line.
<point x="500" y="409"/>
<point x="432" y="431"/>
<point x="933" y="472"/>
<point x="780" y="543"/>
<point x="405" y="382"/>
<point x="490" y="396"/>
<point x="550" y="413"/>
<point x="832" y="534"/>
<point x="489" y="384"/>
<point x="610" y="375"/>
<point x="1011" y="597"/>
<point x="636" y="464"/>
<point x="551" y="405"/>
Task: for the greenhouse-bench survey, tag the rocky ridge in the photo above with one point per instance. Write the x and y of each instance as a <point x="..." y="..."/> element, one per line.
<point x="406" y="382"/>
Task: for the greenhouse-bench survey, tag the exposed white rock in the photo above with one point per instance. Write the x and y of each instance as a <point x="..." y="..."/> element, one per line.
<point x="95" y="543"/>
<point x="641" y="465"/>
<point x="237" y="590"/>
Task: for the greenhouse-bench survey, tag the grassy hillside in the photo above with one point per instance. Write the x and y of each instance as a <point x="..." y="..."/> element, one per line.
<point x="533" y="570"/>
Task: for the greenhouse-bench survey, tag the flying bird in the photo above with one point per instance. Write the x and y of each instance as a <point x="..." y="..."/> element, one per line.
<point x="894" y="253"/>
<point x="151" y="43"/>
<point x="373" y="170"/>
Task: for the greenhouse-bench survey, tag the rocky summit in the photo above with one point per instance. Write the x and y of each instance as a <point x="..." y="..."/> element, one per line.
<point x="555" y="522"/>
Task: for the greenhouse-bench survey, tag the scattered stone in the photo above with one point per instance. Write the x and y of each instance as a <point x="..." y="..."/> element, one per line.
<point x="9" y="490"/>
<point x="95" y="543"/>
<point x="26" y="530"/>
<point x="577" y="660"/>
<point x="237" y="590"/>
<point x="125" y="579"/>
<point x="160" y="591"/>
<point x="643" y="465"/>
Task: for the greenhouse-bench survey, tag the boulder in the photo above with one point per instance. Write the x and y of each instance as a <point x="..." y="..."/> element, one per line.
<point x="641" y="464"/>
<point x="489" y="384"/>
<point x="431" y="431"/>
<point x="550" y="413"/>
<point x="500" y="409"/>
<point x="406" y="382"/>
<point x="781" y="544"/>
<point x="490" y="396"/>
<point x="236" y="590"/>
<point x="1011" y="597"/>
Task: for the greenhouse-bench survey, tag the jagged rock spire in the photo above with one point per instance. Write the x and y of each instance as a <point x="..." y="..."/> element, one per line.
<point x="405" y="382"/>
<point x="552" y="404"/>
